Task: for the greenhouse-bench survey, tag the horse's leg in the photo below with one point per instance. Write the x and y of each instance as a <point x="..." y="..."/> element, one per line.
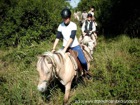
<point x="67" y="92"/>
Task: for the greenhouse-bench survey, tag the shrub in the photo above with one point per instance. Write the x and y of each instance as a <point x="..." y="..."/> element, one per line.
<point x="28" y="21"/>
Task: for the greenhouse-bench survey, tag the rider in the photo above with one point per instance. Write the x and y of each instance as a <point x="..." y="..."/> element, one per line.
<point x="67" y="31"/>
<point x="92" y="11"/>
<point x="88" y="29"/>
<point x="88" y="26"/>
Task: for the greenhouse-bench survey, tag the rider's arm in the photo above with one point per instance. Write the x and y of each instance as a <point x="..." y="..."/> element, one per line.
<point x="58" y="36"/>
<point x="55" y="43"/>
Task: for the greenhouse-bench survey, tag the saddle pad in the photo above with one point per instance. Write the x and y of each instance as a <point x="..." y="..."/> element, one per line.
<point x="73" y="61"/>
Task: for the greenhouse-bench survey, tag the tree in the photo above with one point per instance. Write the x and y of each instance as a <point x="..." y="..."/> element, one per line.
<point x="115" y="16"/>
<point x="27" y="21"/>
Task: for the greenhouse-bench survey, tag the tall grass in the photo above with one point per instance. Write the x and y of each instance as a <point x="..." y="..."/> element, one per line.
<point x="116" y="75"/>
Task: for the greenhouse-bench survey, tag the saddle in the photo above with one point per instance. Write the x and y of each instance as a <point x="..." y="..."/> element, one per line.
<point x="75" y="56"/>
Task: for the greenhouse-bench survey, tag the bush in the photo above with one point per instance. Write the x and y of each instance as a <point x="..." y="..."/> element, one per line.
<point x="28" y="21"/>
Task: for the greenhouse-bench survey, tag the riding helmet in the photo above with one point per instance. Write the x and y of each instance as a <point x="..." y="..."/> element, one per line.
<point x="66" y="13"/>
<point x="89" y="15"/>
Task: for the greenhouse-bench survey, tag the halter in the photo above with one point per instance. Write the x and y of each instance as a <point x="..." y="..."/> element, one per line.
<point x="54" y="65"/>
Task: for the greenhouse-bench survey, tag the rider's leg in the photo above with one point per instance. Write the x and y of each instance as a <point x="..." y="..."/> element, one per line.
<point x="82" y="59"/>
<point x="81" y="56"/>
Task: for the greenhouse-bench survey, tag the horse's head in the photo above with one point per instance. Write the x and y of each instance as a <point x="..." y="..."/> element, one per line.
<point x="86" y="39"/>
<point x="45" y="70"/>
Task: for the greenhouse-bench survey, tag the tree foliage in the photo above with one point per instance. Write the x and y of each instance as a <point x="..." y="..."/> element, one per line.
<point x="115" y="16"/>
<point x="26" y="21"/>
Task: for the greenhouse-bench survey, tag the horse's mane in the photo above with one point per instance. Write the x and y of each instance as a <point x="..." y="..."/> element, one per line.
<point x="51" y="54"/>
<point x="47" y="53"/>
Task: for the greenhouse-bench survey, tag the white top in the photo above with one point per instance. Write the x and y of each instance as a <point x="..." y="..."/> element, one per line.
<point x="93" y="26"/>
<point x="66" y="32"/>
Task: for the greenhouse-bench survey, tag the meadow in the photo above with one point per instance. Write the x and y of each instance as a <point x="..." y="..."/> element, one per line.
<point x="115" y="69"/>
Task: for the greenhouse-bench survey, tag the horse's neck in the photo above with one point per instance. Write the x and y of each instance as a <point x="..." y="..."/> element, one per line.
<point x="87" y="53"/>
<point x="59" y="61"/>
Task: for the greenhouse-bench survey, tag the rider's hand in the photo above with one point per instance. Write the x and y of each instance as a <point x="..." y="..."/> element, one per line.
<point x="90" y="32"/>
<point x="63" y="51"/>
<point x="84" y="34"/>
<point x="53" y="51"/>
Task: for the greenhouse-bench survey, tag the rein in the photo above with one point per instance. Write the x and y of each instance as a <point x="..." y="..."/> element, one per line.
<point x="55" y="64"/>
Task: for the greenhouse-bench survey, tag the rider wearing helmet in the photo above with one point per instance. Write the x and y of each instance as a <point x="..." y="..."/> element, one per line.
<point x="88" y="26"/>
<point x="67" y="31"/>
<point x="88" y="30"/>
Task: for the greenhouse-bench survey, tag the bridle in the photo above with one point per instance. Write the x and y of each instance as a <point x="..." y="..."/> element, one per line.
<point x="53" y="71"/>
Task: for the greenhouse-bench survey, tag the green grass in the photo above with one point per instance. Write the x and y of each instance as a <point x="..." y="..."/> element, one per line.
<point x="116" y="75"/>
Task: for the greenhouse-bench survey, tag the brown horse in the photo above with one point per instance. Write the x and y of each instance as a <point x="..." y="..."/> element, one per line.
<point x="56" y="65"/>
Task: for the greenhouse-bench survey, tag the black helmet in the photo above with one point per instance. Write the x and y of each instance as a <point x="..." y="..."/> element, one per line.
<point x="66" y="13"/>
<point x="89" y="15"/>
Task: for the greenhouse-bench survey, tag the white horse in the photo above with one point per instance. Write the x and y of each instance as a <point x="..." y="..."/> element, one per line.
<point x="89" y="41"/>
<point x="55" y="65"/>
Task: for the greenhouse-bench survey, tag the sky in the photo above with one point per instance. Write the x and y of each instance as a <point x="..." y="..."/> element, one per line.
<point x="73" y="3"/>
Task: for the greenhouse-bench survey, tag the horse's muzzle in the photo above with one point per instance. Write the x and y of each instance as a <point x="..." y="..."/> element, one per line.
<point x="42" y="87"/>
